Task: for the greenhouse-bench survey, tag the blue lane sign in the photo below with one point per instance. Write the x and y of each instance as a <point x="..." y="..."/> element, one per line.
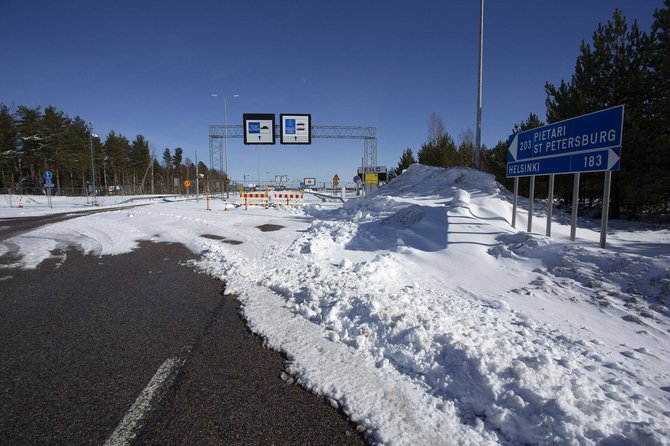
<point x="254" y="127"/>
<point x="290" y="126"/>
<point x="589" y="161"/>
<point x="47" y="175"/>
<point x="598" y="130"/>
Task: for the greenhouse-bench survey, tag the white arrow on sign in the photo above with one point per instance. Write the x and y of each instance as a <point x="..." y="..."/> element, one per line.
<point x="612" y="159"/>
<point x="514" y="146"/>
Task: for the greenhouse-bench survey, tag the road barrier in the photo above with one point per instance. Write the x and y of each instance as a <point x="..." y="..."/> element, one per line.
<point x="289" y="199"/>
<point x="255" y="199"/>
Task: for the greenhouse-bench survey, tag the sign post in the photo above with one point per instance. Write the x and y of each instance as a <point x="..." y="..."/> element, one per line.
<point x="587" y="143"/>
<point x="48" y="185"/>
<point x="336" y="181"/>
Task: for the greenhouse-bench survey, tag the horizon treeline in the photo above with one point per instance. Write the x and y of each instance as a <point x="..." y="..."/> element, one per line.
<point x="623" y="65"/>
<point x="33" y="141"/>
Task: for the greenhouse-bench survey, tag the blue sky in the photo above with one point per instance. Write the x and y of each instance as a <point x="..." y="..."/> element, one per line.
<point x="150" y="67"/>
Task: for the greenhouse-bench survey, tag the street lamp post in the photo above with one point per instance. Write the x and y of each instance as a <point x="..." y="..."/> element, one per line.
<point x="90" y="146"/>
<point x="478" y="137"/>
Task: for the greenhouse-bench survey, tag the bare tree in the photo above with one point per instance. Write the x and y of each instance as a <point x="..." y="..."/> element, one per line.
<point x="436" y="130"/>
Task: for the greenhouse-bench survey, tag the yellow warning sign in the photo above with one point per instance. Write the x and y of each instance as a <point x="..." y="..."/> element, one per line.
<point x="187" y="183"/>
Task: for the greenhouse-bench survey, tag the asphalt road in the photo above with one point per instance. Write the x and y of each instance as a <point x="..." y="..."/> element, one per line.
<point x="139" y="349"/>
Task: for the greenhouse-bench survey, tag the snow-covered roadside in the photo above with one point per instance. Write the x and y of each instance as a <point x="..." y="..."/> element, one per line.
<point x="428" y="319"/>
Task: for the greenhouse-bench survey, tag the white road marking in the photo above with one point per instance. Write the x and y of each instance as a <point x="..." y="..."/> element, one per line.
<point x="126" y="430"/>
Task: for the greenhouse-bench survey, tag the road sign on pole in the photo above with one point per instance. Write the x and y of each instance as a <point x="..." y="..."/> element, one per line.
<point x="594" y="131"/>
<point x="587" y="143"/>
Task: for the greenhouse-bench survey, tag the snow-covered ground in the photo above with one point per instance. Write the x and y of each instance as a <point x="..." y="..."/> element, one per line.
<point x="422" y="313"/>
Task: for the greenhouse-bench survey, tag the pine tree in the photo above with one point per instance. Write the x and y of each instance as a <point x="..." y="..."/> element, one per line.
<point x="29" y="146"/>
<point x="177" y="161"/>
<point x="495" y="161"/>
<point x="54" y="126"/>
<point x="8" y="154"/>
<point x="659" y="79"/>
<point x="139" y="160"/>
<point x="406" y="160"/>
<point x="466" y="150"/>
<point x="611" y="71"/>
<point x="532" y="122"/>
<point x="439" y="153"/>
<point x="117" y="150"/>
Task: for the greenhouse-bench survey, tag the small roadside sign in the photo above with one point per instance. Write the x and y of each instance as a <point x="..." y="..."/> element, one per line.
<point x="336" y="180"/>
<point x="371" y="178"/>
<point x="48" y="184"/>
<point x="187" y="183"/>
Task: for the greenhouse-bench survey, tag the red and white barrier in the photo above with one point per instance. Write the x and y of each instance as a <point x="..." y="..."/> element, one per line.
<point x="289" y="199"/>
<point x="255" y="199"/>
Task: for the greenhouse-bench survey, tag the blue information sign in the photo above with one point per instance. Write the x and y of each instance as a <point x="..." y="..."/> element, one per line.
<point x="591" y="161"/>
<point x="259" y="128"/>
<point x="587" y="143"/>
<point x="598" y="130"/>
<point x="47" y="180"/>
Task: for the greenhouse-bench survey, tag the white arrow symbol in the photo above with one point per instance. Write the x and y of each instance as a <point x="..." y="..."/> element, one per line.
<point x="514" y="146"/>
<point x="612" y="159"/>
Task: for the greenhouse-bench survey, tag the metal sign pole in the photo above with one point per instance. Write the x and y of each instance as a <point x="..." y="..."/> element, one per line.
<point x="197" y="179"/>
<point x="575" y="207"/>
<point x="516" y="195"/>
<point x="531" y="197"/>
<point x="550" y="204"/>
<point x="606" y="209"/>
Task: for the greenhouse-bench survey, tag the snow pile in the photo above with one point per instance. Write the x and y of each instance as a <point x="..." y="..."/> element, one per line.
<point x="427" y="280"/>
<point x="428" y="319"/>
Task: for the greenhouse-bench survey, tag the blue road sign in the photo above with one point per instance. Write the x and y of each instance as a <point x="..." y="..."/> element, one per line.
<point x="47" y="175"/>
<point x="589" y="161"/>
<point x="254" y="127"/>
<point x="49" y="185"/>
<point x="290" y="126"/>
<point x="599" y="130"/>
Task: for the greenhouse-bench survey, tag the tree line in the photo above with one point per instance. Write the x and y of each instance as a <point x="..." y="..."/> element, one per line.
<point x="33" y="141"/>
<point x="621" y="65"/>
